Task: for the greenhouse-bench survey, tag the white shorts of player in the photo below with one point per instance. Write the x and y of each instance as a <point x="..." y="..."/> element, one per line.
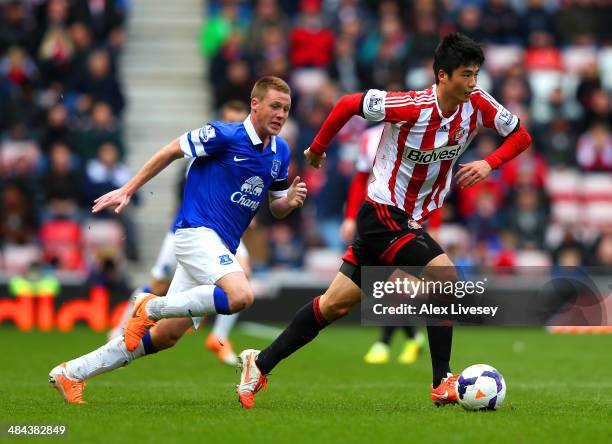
<point x="202" y="258"/>
<point x="165" y="264"/>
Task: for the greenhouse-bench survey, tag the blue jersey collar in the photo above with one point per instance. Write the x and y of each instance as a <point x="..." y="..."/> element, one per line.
<point x="255" y="140"/>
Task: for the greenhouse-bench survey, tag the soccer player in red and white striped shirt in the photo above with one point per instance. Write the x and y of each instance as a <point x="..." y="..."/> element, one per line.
<point x="379" y="352"/>
<point x="425" y="133"/>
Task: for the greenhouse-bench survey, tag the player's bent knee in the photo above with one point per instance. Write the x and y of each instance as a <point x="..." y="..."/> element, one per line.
<point x="339" y="311"/>
<point x="339" y="299"/>
<point x="240" y="299"/>
<point x="335" y="309"/>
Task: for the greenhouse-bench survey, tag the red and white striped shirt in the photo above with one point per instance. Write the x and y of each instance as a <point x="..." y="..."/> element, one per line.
<point x="368" y="147"/>
<point x="419" y="146"/>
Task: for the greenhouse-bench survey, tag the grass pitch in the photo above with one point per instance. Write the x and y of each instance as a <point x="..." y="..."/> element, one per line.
<point x="559" y="390"/>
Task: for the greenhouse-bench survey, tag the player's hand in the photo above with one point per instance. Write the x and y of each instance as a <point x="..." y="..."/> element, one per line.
<point x="119" y="198"/>
<point x="472" y="173"/>
<point x="347" y="230"/>
<point x="314" y="160"/>
<point x="296" y="195"/>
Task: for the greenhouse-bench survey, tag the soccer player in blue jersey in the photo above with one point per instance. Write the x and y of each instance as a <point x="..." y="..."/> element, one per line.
<point x="233" y="167"/>
<point x="165" y="265"/>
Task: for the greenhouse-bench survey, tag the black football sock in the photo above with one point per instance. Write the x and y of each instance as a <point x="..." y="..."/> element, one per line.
<point x="304" y="327"/>
<point x="410" y="331"/>
<point x="440" y="344"/>
<point x="387" y="333"/>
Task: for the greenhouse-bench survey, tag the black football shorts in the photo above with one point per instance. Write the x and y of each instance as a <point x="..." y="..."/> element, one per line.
<point x="387" y="236"/>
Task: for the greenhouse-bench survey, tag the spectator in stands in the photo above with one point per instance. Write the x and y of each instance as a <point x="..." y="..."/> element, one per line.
<point x="530" y="169"/>
<point x="222" y="39"/>
<point x="18" y="146"/>
<point x="16" y="28"/>
<point x="527" y="216"/>
<point x="486" y="221"/>
<point x="594" y="151"/>
<point x="500" y="23"/>
<point x="100" y="83"/>
<point x="598" y="109"/>
<point x="590" y="82"/>
<point x="273" y="47"/>
<point x="537" y="18"/>
<point x="18" y="67"/>
<point x="469" y="22"/>
<point x="237" y="84"/>
<point x="55" y="54"/>
<point x="49" y="15"/>
<point x="423" y="42"/>
<point x="83" y="43"/>
<point x="215" y="32"/>
<point x="311" y="43"/>
<point x="101" y="126"/>
<point x="267" y="18"/>
<point x="61" y="183"/>
<point x="103" y="174"/>
<point x="104" y="18"/>
<point x="57" y="128"/>
<point x="285" y="247"/>
<point x="345" y="68"/>
<point x="603" y="248"/>
<point x="18" y="217"/>
<point x="542" y="54"/>
<point x="514" y="90"/>
<point x="557" y="142"/>
<point x="569" y="257"/>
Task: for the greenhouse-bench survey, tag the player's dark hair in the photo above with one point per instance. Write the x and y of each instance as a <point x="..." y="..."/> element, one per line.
<point x="269" y="82"/>
<point x="455" y="50"/>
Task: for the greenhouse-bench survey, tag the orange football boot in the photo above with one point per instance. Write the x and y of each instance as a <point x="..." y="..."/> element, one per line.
<point x="222" y="348"/>
<point x="70" y="389"/>
<point x="446" y="392"/>
<point x="251" y="379"/>
<point x="138" y="324"/>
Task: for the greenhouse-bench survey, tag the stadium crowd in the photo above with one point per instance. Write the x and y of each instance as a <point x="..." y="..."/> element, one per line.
<point x="549" y="61"/>
<point x="61" y="140"/>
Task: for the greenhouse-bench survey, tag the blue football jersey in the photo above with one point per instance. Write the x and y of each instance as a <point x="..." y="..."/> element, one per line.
<point x="229" y="177"/>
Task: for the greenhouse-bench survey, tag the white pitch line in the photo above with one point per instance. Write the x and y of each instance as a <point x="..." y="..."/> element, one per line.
<point x="260" y="331"/>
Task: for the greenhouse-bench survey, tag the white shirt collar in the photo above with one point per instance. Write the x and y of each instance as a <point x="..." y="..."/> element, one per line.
<point x="255" y="140"/>
<point x="250" y="129"/>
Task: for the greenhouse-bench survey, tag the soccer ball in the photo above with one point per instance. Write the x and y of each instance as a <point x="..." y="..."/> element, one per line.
<point x="481" y="387"/>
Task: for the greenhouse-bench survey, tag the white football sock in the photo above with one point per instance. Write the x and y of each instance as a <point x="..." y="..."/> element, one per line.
<point x="197" y="301"/>
<point x="110" y="356"/>
<point x="223" y="325"/>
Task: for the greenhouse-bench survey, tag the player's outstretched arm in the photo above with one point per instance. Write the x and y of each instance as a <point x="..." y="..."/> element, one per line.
<point x="280" y="207"/>
<point x="120" y="197"/>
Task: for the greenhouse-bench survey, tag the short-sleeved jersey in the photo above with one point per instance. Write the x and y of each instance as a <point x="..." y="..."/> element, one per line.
<point x="419" y="146"/>
<point x="229" y="177"/>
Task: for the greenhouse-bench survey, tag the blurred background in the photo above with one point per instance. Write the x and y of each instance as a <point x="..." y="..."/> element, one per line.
<point x="90" y="89"/>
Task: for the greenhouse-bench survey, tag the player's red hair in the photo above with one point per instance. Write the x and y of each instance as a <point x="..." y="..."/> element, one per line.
<point x="263" y="85"/>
